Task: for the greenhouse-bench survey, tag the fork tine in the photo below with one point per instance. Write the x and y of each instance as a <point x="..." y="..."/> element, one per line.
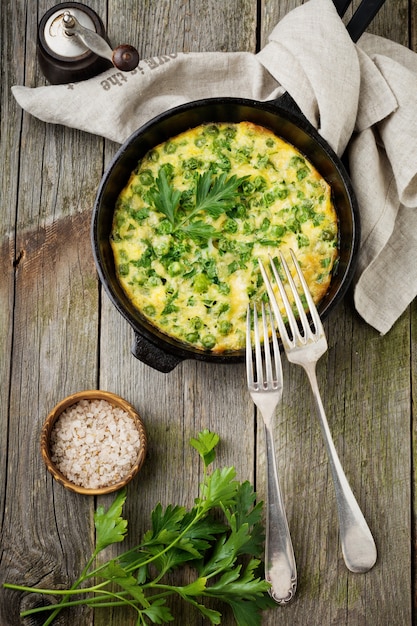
<point x="281" y="326"/>
<point x="267" y="351"/>
<point x="258" y="353"/>
<point x="253" y="380"/>
<point x="277" y="354"/>
<point x="290" y="314"/>
<point x="269" y="369"/>
<point x="292" y="322"/>
<point x="312" y="307"/>
<point x="249" y="365"/>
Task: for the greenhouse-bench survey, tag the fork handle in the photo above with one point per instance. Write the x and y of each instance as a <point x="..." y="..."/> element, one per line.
<point x="358" y="546"/>
<point x="280" y="567"/>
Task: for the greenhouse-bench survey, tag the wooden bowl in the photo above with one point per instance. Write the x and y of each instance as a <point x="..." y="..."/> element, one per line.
<point x="71" y="400"/>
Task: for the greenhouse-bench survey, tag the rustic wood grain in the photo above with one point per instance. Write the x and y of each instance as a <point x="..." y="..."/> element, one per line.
<point x="360" y="402"/>
<point x="195" y="395"/>
<point x="60" y="334"/>
<point x="413" y="447"/>
<point x="55" y="322"/>
<point x="412" y="21"/>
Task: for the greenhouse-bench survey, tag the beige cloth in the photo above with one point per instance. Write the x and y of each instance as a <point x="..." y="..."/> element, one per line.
<point x="362" y="98"/>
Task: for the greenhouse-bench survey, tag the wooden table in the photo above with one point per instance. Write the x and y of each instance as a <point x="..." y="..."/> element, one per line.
<point x="60" y="334"/>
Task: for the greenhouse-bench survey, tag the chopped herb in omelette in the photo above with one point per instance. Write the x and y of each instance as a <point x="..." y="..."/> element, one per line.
<point x="198" y="212"/>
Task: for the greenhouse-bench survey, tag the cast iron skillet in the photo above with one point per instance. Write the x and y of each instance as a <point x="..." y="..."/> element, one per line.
<point x="284" y="118"/>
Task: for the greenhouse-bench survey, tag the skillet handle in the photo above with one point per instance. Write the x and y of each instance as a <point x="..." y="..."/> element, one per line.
<point x="153" y="356"/>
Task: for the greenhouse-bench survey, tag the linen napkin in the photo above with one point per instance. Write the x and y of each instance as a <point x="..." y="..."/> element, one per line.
<point x="361" y="98"/>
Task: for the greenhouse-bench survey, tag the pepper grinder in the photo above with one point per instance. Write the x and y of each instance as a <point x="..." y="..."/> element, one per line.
<point x="72" y="45"/>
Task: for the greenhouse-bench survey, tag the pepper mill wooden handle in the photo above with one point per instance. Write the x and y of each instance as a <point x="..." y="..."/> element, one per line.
<point x="125" y="57"/>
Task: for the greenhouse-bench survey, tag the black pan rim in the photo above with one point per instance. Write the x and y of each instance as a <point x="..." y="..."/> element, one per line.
<point x="283" y="107"/>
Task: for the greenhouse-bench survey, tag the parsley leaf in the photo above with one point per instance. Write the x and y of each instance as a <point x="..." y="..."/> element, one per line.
<point x="110" y="525"/>
<point x="212" y="195"/>
<point x="165" y="199"/>
<point x="220" y="539"/>
<point x="216" y="195"/>
<point x="205" y="445"/>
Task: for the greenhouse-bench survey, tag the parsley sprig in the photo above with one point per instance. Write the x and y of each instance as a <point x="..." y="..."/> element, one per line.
<point x="223" y="553"/>
<point x="213" y="195"/>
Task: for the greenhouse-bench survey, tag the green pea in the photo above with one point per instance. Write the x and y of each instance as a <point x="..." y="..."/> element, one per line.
<point x="302" y="173"/>
<point x="225" y="327"/>
<point x="170" y="308"/>
<point x="223" y="162"/>
<point x="154" y="281"/>
<point x="192" y="163"/>
<point x="223" y="288"/>
<point x="174" y="268"/>
<point x="297" y="160"/>
<point x="201" y="283"/>
<point x="170" y="147"/>
<point x="230" y="226"/>
<point x="230" y="132"/>
<point x="146" y="177"/>
<point x="212" y="130"/>
<point x="168" y="169"/>
<point x="223" y="307"/>
<point x="164" y="227"/>
<point x="327" y="235"/>
<point x="123" y="269"/>
<point x="196" y="322"/>
<point x="282" y="193"/>
<point x="140" y="214"/>
<point x="153" y="155"/>
<point x="278" y="230"/>
<point x="302" y="240"/>
<point x="259" y="183"/>
<point x="161" y="248"/>
<point x="208" y="341"/>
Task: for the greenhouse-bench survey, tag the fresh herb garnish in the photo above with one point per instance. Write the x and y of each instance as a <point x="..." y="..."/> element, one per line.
<point x="213" y="195"/>
<point x="224" y="555"/>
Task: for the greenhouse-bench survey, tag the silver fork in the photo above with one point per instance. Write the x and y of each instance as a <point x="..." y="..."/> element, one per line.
<point x="305" y="348"/>
<point x="265" y="388"/>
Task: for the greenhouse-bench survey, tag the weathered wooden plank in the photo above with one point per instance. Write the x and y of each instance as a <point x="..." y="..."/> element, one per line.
<point x="176" y="406"/>
<point x="366" y="405"/>
<point x="361" y="404"/>
<point x="365" y="391"/>
<point x="54" y="349"/>
<point x="62" y="334"/>
<point x="54" y="353"/>
<point x="412" y="22"/>
<point x="10" y="127"/>
<point x="413" y="429"/>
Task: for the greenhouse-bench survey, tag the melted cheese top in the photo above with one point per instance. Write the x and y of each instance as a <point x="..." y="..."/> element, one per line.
<point x="197" y="289"/>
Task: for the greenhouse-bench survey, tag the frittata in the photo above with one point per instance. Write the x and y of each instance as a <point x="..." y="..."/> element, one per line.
<point x="197" y="214"/>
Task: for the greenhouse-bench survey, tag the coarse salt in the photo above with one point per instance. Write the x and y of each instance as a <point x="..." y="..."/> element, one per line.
<point x="94" y="444"/>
